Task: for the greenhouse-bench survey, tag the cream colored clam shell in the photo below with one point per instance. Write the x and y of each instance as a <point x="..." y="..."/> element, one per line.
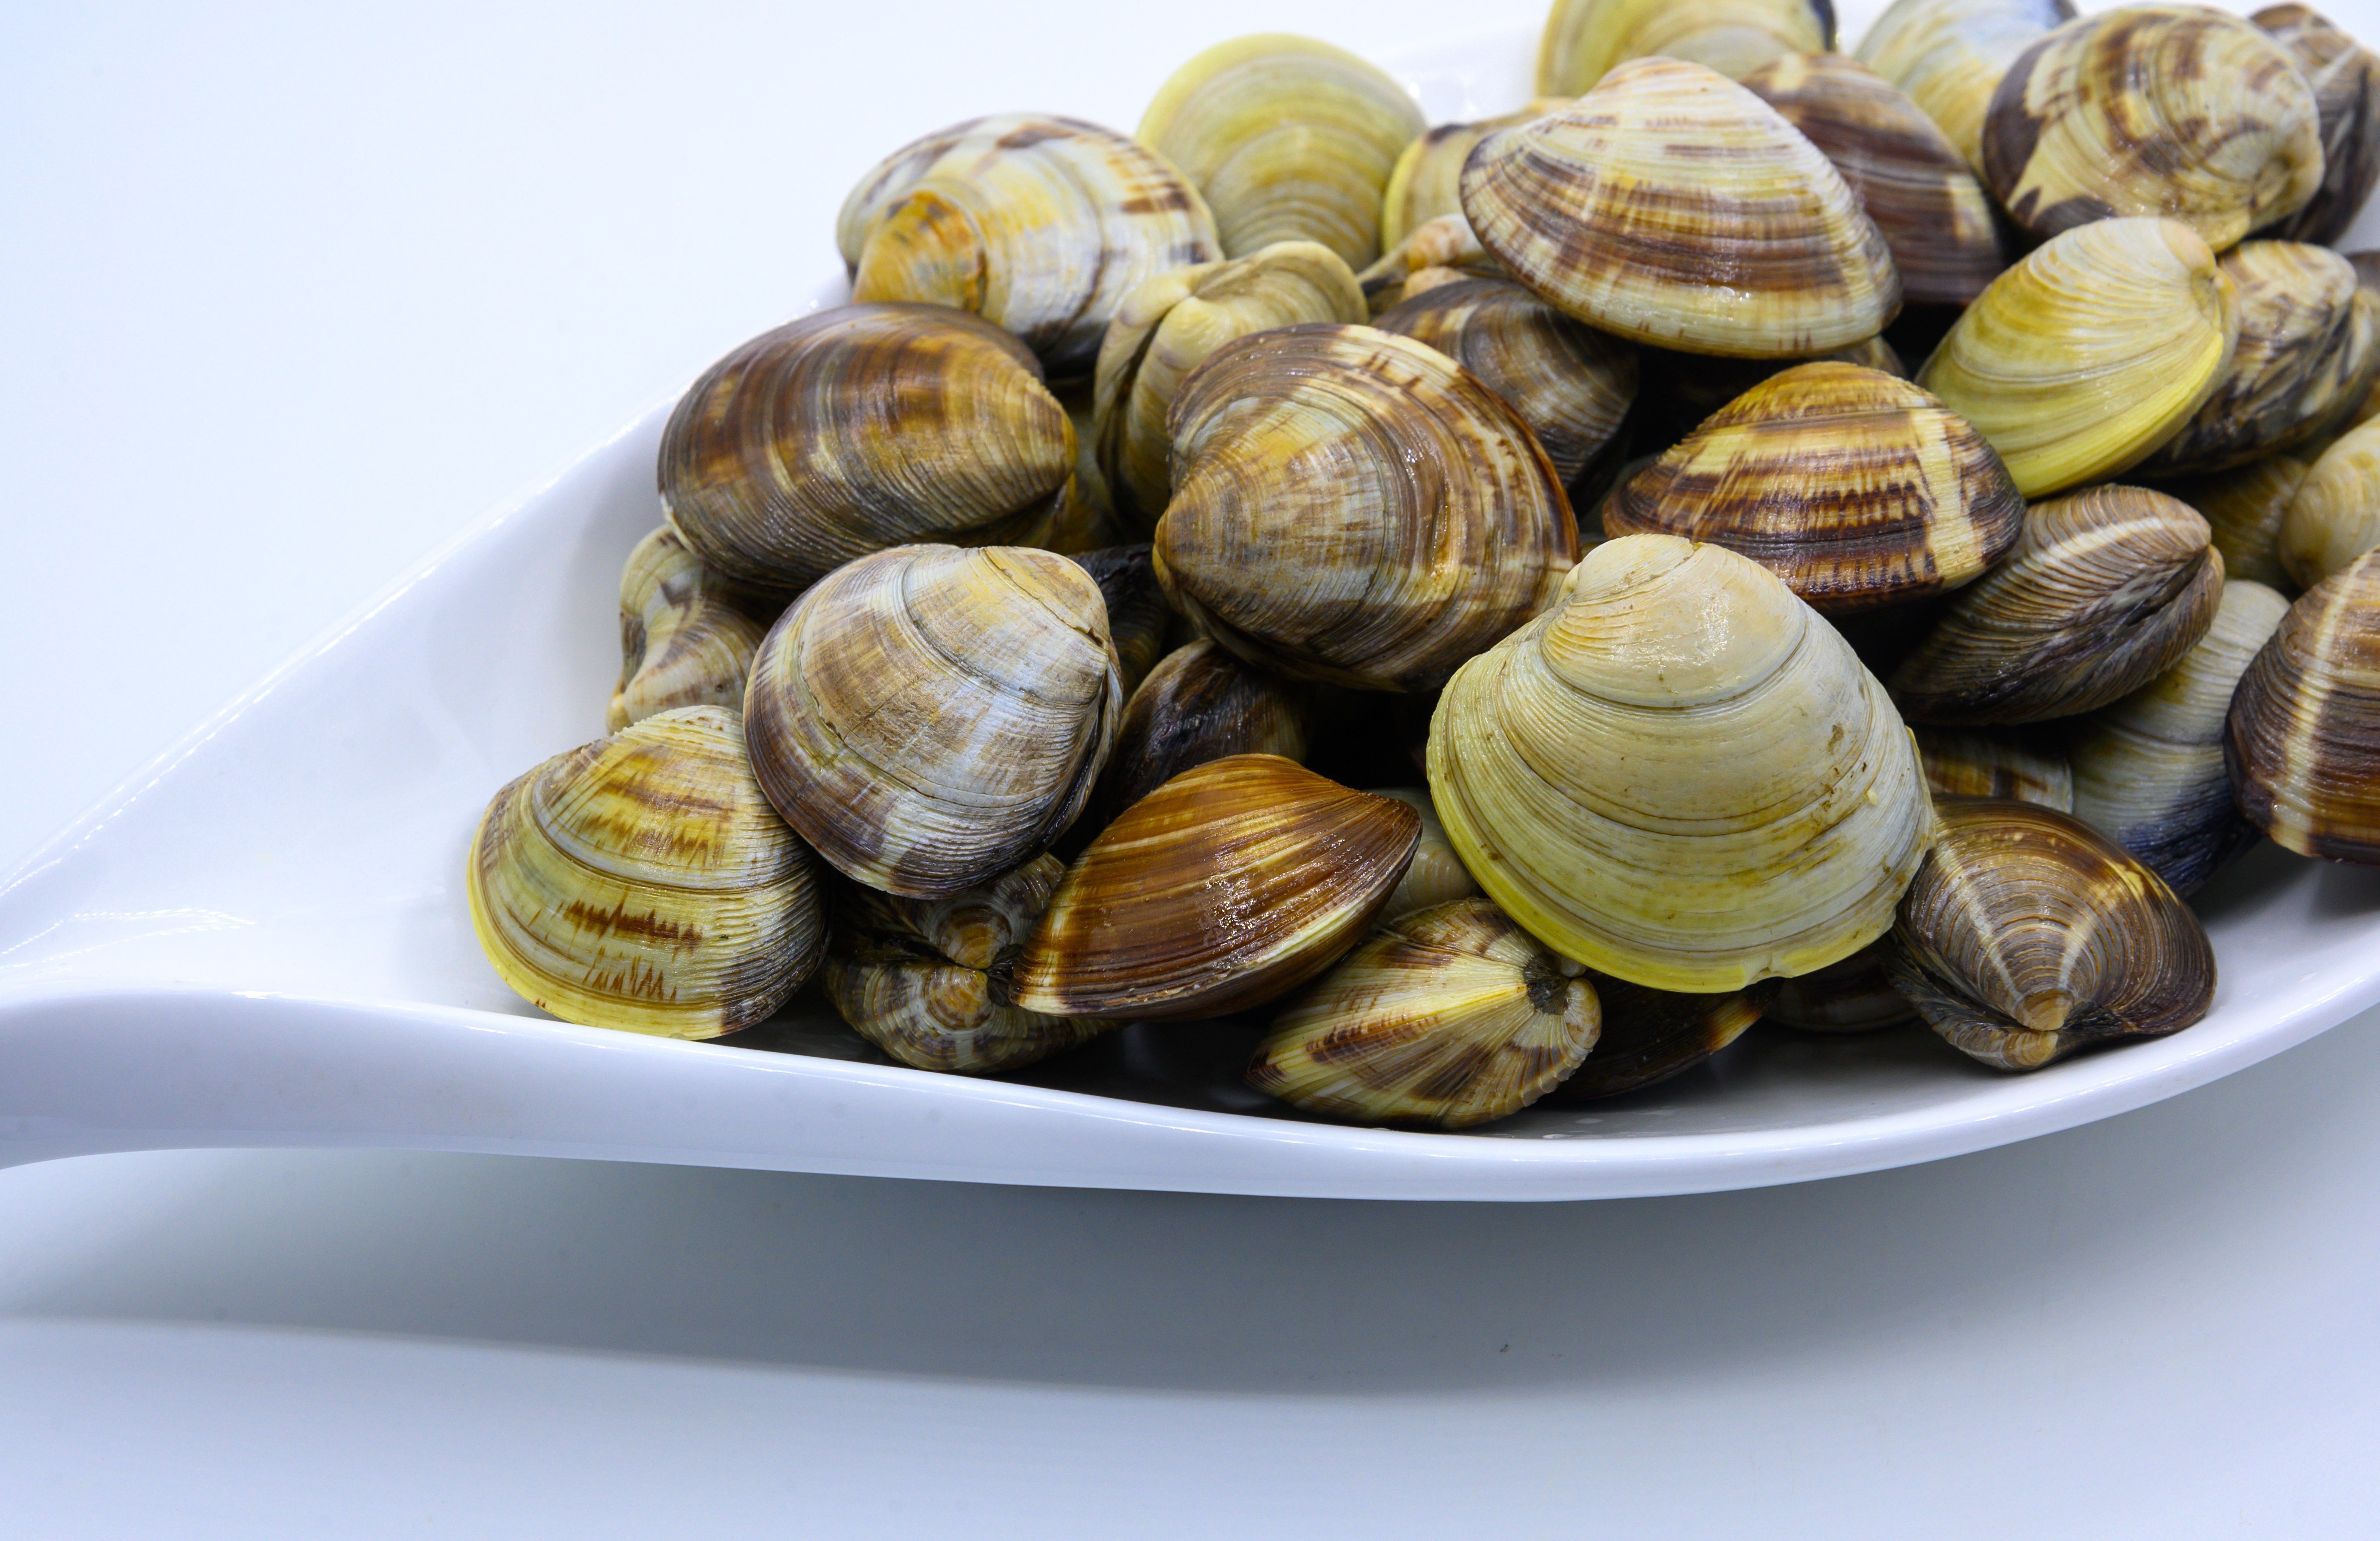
<point x="2336" y="516"/>
<point x="1949" y="55"/>
<point x="1427" y="183"/>
<point x="1584" y="39"/>
<point x="683" y="641"/>
<point x="1437" y="876"/>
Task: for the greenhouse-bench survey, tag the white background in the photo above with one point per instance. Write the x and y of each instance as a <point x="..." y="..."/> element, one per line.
<point x="289" y="295"/>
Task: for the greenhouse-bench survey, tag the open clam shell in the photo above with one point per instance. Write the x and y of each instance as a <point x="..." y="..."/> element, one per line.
<point x="1949" y="55"/>
<point x="2304" y="738"/>
<point x="2346" y="82"/>
<point x="1585" y="38"/>
<point x="685" y="638"/>
<point x="2334" y="516"/>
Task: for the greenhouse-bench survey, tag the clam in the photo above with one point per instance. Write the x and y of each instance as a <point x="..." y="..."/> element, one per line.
<point x="2244" y="507"/>
<point x="928" y="980"/>
<point x="1853" y="996"/>
<point x="1426" y="183"/>
<point x="1436" y="875"/>
<point x="2335" y="516"/>
<point x="1229" y="886"/>
<point x="2303" y="739"/>
<point x="1585" y="38"/>
<point x="2091" y="352"/>
<point x="1672" y="206"/>
<point x="1354" y="508"/>
<point x="1681" y="775"/>
<point x="1857" y="488"/>
<point x="1995" y="762"/>
<point x="1679" y="390"/>
<point x="1198" y="704"/>
<point x="2106" y="590"/>
<point x="930" y="717"/>
<point x="2346" y="82"/>
<point x="1040" y="224"/>
<point x="1570" y="384"/>
<point x="1451" y="1016"/>
<point x="1911" y="180"/>
<point x="1651" y="1035"/>
<point x="642" y="882"/>
<point x="2178" y="111"/>
<point x="684" y="639"/>
<point x="1167" y="328"/>
<point x="1443" y="250"/>
<point x="1138" y="616"/>
<point x="1288" y="139"/>
<point x="2027" y="936"/>
<point x="860" y="428"/>
<point x="1949" y="55"/>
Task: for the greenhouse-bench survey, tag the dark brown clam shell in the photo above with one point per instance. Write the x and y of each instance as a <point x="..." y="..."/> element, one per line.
<point x="1680" y="389"/>
<point x="1199" y="703"/>
<point x="2302" y="743"/>
<point x="1138" y="616"/>
<point x="1650" y="1035"/>
<point x="1853" y="996"/>
<point x="2346" y="82"/>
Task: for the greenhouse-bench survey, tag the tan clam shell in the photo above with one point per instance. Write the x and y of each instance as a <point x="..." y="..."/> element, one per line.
<point x="1427" y="182"/>
<point x="2244" y="507"/>
<point x="1681" y="775"/>
<point x="2346" y="82"/>
<point x="1857" y="488"/>
<point x="1441" y="251"/>
<point x="1853" y="996"/>
<point x="1138" y="617"/>
<point x="1436" y="875"/>
<point x="1949" y="55"/>
<point x="1199" y="703"/>
<point x="1229" y="886"/>
<point x="2303" y="740"/>
<point x="1451" y="1016"/>
<point x="2027" y="936"/>
<point x="1995" y="762"/>
<point x="1040" y="225"/>
<point x="928" y="717"/>
<point x="1354" y="508"/>
<point x="1288" y="139"/>
<point x="642" y="882"/>
<point x="1672" y="206"/>
<point x="2179" y="111"/>
<point x="1651" y="1035"/>
<point x="684" y="637"/>
<point x="1585" y="40"/>
<point x="2335" y="516"/>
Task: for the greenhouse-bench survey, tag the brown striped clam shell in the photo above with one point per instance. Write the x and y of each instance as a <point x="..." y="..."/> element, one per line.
<point x="2334" y="516"/>
<point x="1427" y="183"/>
<point x="2244" y="507"/>
<point x="2346" y="82"/>
<point x="1199" y="703"/>
<point x="1650" y="1035"/>
<point x="2303" y="740"/>
<point x="1442" y="251"/>
<point x="1679" y="390"/>
<point x="2028" y="766"/>
<point x="1949" y="55"/>
<point x="686" y="637"/>
<point x="1585" y="38"/>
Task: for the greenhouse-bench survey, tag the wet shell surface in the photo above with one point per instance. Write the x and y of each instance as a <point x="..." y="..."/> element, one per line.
<point x="2303" y="739"/>
<point x="1427" y="182"/>
<point x="2027" y="936"/>
<point x="2179" y="111"/>
<point x="930" y="717"/>
<point x="1853" y="996"/>
<point x="1650" y="1035"/>
<point x="1436" y="875"/>
<point x="1672" y="206"/>
<point x="1995" y="762"/>
<point x="1231" y="885"/>
<point x="684" y="637"/>
<point x="2091" y="352"/>
<point x="2335" y="516"/>
<point x="1585" y="38"/>
<point x="1949" y="55"/>
<point x="859" y="428"/>
<point x="1451" y="1016"/>
<point x="642" y="882"/>
<point x="1199" y="703"/>
<point x="2346" y="82"/>
<point x="1138" y="616"/>
<point x="1038" y="225"/>
<point x="1681" y="775"/>
<point x="1354" y="508"/>
<point x="1288" y="139"/>
<point x="2244" y="507"/>
<point x="1855" y="488"/>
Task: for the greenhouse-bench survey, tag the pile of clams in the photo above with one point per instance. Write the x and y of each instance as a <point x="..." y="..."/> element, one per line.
<point x="1498" y="609"/>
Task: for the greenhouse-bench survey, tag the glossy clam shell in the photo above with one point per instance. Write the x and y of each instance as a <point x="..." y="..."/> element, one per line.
<point x="2244" y="507"/>
<point x="2148" y="771"/>
<point x="1288" y="139"/>
<point x="1857" y="488"/>
<point x="1354" y="508"/>
<point x="1585" y="40"/>
<point x="2106" y="590"/>
<point x="1199" y="703"/>
<point x="1679" y="775"/>
<point x="2303" y="740"/>
<point x="1138" y="616"/>
<point x="1229" y="886"/>
<point x="1853" y="996"/>
<point x="2334" y="516"/>
<point x="1995" y="762"/>
<point x="1679" y="390"/>
<point x="1444" y="249"/>
<point x="1436" y="875"/>
<point x="2179" y="111"/>
<point x="2346" y="82"/>
<point x="1168" y="327"/>
<point x="2089" y="353"/>
<point x="1572" y="386"/>
<point x="642" y="882"/>
<point x="859" y="428"/>
<point x="684" y="640"/>
<point x="1949" y="55"/>
<point x="1040" y="224"/>
<point x="930" y="717"/>
<point x="1911" y="180"/>
<point x="1672" y="206"/>
<point x="1650" y="1035"/>
<point x="2027" y="936"/>
<point x="1426" y="181"/>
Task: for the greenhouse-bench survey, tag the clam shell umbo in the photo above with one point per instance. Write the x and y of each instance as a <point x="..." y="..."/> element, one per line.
<point x="1995" y="762"/>
<point x="1436" y="875"/>
<point x="1138" y="616"/>
<point x="1199" y="703"/>
<point x="1650" y="1035"/>
<point x="1584" y="39"/>
<point x="2303" y="740"/>
<point x="1949" y="55"/>
<point x="2244" y="507"/>
<point x="685" y="637"/>
<point x="2334" y="516"/>
<point x="2346" y="82"/>
<point x="1427" y="182"/>
<point x="1441" y="251"/>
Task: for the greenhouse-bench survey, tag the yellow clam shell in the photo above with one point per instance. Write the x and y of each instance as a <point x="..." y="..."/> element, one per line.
<point x="684" y="640"/>
<point x="2335" y="516"/>
<point x="1427" y="183"/>
<point x="1585" y="38"/>
<point x="1949" y="55"/>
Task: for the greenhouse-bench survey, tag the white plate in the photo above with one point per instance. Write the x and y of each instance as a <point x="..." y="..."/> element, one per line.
<point x="261" y="942"/>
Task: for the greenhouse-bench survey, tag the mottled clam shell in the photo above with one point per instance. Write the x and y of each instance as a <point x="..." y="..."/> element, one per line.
<point x="1228" y="887"/>
<point x="1679" y="390"/>
<point x="2179" y="111"/>
<point x="1354" y="508"/>
<point x="1949" y="55"/>
<point x="2091" y="352"/>
<point x="1672" y="206"/>
<point x="1138" y="616"/>
<point x="1167" y="328"/>
<point x="2030" y="767"/>
<point x="1040" y="224"/>
<point x="1442" y="250"/>
<point x="1651" y="1035"/>
<point x="1436" y="875"/>
<point x="1585" y="40"/>
<point x="2346" y="82"/>
<point x="930" y="717"/>
<point x="1571" y="384"/>
<point x="1681" y="775"/>
<point x="1199" y="703"/>
<point x="2244" y="507"/>
<point x="1853" y="996"/>
<point x="2027" y="936"/>
<point x="788" y="458"/>
<point x="2303" y="739"/>
<point x="2335" y="516"/>
<point x="2148" y="771"/>
<point x="1427" y="182"/>
<point x="1288" y="139"/>
<point x="684" y="637"/>
<point x="1911" y="179"/>
<point x="1857" y="488"/>
<point x="642" y="882"/>
<point x="2106" y="590"/>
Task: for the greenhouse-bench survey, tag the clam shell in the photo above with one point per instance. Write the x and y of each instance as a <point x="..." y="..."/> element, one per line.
<point x="2091" y="352"/>
<point x="2027" y="936"/>
<point x="1672" y="206"/>
<point x="1426" y="181"/>
<point x="1853" y="996"/>
<point x="1949" y="55"/>
<point x="1354" y="508"/>
<point x="1995" y="762"/>
<point x="1229" y="886"/>
<point x="1679" y="390"/>
<point x="1138" y="616"/>
<point x="1442" y="250"/>
<point x="2346" y="82"/>
<point x="684" y="640"/>
<point x="2335" y="516"/>
<point x="1585" y="38"/>
<point x="1679" y="775"/>
<point x="1288" y="139"/>
<point x="642" y="882"/>
<point x="2178" y="111"/>
<point x="930" y="717"/>
<point x="2304" y="738"/>
<point x="2244" y="507"/>
<point x="1651" y="1035"/>
<point x="1198" y="704"/>
<point x="1436" y="875"/>
<point x="1040" y="224"/>
<point x="1857" y="488"/>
